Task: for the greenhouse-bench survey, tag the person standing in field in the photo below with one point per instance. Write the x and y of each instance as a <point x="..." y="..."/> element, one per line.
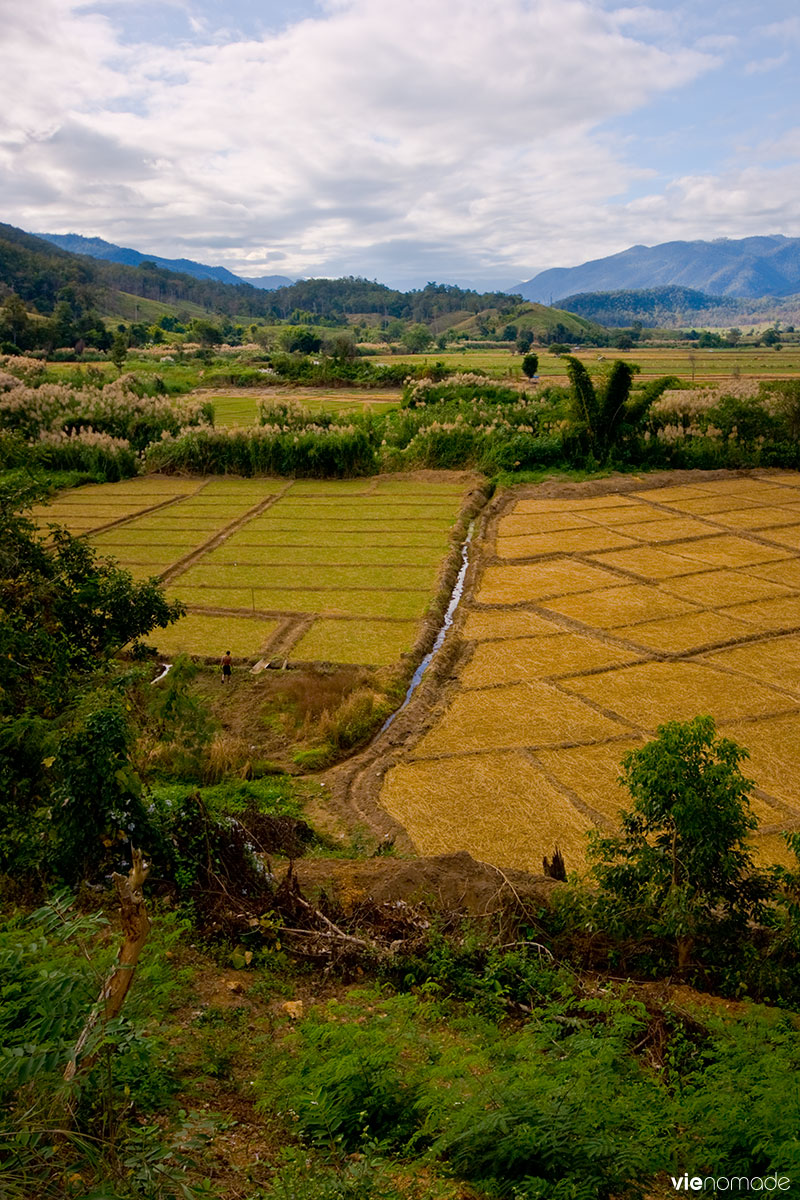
<point x="225" y="663"/>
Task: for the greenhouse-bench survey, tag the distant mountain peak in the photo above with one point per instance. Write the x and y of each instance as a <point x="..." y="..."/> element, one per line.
<point x="761" y="265"/>
<point x="97" y="247"/>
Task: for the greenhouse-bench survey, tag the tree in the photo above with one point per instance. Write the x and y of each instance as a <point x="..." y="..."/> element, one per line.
<point x="603" y="419"/>
<point x="530" y="365"/>
<point x="681" y="866"/>
<point x="66" y="779"/>
<point x="14" y="320"/>
<point x="119" y="350"/>
<point x="300" y="340"/>
<point x="524" y="341"/>
<point x="206" y="332"/>
<point x="417" y="338"/>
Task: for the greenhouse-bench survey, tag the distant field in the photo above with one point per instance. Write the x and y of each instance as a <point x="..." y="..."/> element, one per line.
<point x="686" y="363"/>
<point x="338" y="572"/>
<point x="240" y="407"/>
<point x="595" y="620"/>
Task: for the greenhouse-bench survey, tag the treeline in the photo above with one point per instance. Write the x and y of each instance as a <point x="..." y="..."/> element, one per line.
<point x="328" y="297"/>
<point x="39" y="273"/>
<point x="672" y="307"/>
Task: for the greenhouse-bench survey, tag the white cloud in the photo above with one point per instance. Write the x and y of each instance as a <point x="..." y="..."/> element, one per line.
<point x="763" y="66"/>
<point x="463" y="136"/>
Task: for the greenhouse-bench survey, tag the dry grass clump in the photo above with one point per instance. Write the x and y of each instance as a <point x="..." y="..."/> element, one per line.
<point x="648" y="694"/>
<point x="498" y="807"/>
<point x="718" y="588"/>
<point x="774" y="763"/>
<point x="668" y="530"/>
<point x="648" y="563"/>
<point x="572" y="504"/>
<point x="624" y="604"/>
<point x="775" y="660"/>
<point x="486" y="625"/>
<point x="378" y="643"/>
<point x="523" y="714"/>
<point x="748" y="489"/>
<point x="680" y="635"/>
<point x="201" y="634"/>
<point x="785" y="571"/>
<point x="592" y="772"/>
<point x="757" y="517"/>
<point x="704" y="505"/>
<point x="786" y="536"/>
<point x="522" y="521"/>
<point x="517" y="659"/>
<point x="727" y="551"/>
<point x="569" y="541"/>
<point x="626" y="514"/>
<point x="770" y="848"/>
<point x="769" y="616"/>
<point x="670" y="495"/>
<point x="521" y="525"/>
<point x="535" y="581"/>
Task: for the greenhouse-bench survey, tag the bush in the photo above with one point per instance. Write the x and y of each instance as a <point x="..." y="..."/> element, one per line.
<point x="336" y="452"/>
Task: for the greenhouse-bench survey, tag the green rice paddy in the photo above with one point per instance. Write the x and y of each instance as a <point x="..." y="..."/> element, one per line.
<point x="359" y="556"/>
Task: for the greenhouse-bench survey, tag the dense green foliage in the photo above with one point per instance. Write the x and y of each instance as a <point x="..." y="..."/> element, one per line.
<point x="355" y="295"/>
<point x="681" y="862"/>
<point x="68" y="791"/>
<point x="43" y="276"/>
<point x="590" y="1097"/>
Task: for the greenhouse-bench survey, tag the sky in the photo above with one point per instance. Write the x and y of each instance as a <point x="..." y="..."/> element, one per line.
<point x="462" y="141"/>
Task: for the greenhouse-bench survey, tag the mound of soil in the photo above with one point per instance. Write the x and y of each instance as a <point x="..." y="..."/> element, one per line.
<point x="451" y="883"/>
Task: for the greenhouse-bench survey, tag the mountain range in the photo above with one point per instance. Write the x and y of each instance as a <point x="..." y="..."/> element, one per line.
<point x="743" y="267"/>
<point x="96" y="247"/>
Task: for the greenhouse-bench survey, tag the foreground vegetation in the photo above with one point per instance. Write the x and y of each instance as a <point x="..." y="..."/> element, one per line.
<point x="281" y="1043"/>
<point x="285" y="1041"/>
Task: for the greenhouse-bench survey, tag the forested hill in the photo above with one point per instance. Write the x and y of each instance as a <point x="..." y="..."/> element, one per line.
<point x="99" y="248"/>
<point x="676" y="307"/>
<point x="748" y="267"/>
<point x="661" y="306"/>
<point x="331" y="297"/>
<point x="40" y="273"/>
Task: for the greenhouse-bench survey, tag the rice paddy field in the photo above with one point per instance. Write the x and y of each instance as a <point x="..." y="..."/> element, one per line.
<point x="310" y="571"/>
<point x="240" y="407"/>
<point x="595" y="619"/>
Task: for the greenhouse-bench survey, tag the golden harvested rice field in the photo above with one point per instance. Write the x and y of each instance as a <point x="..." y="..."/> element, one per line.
<point x="314" y="570"/>
<point x="594" y="620"/>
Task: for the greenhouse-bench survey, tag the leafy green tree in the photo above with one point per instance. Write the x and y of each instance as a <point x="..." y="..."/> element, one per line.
<point x="524" y="341"/>
<point x="300" y="340"/>
<point x="681" y="867"/>
<point x="14" y="321"/>
<point x="64" y="613"/>
<point x="119" y="350"/>
<point x="206" y="332"/>
<point x="530" y="365"/>
<point x="417" y="339"/>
